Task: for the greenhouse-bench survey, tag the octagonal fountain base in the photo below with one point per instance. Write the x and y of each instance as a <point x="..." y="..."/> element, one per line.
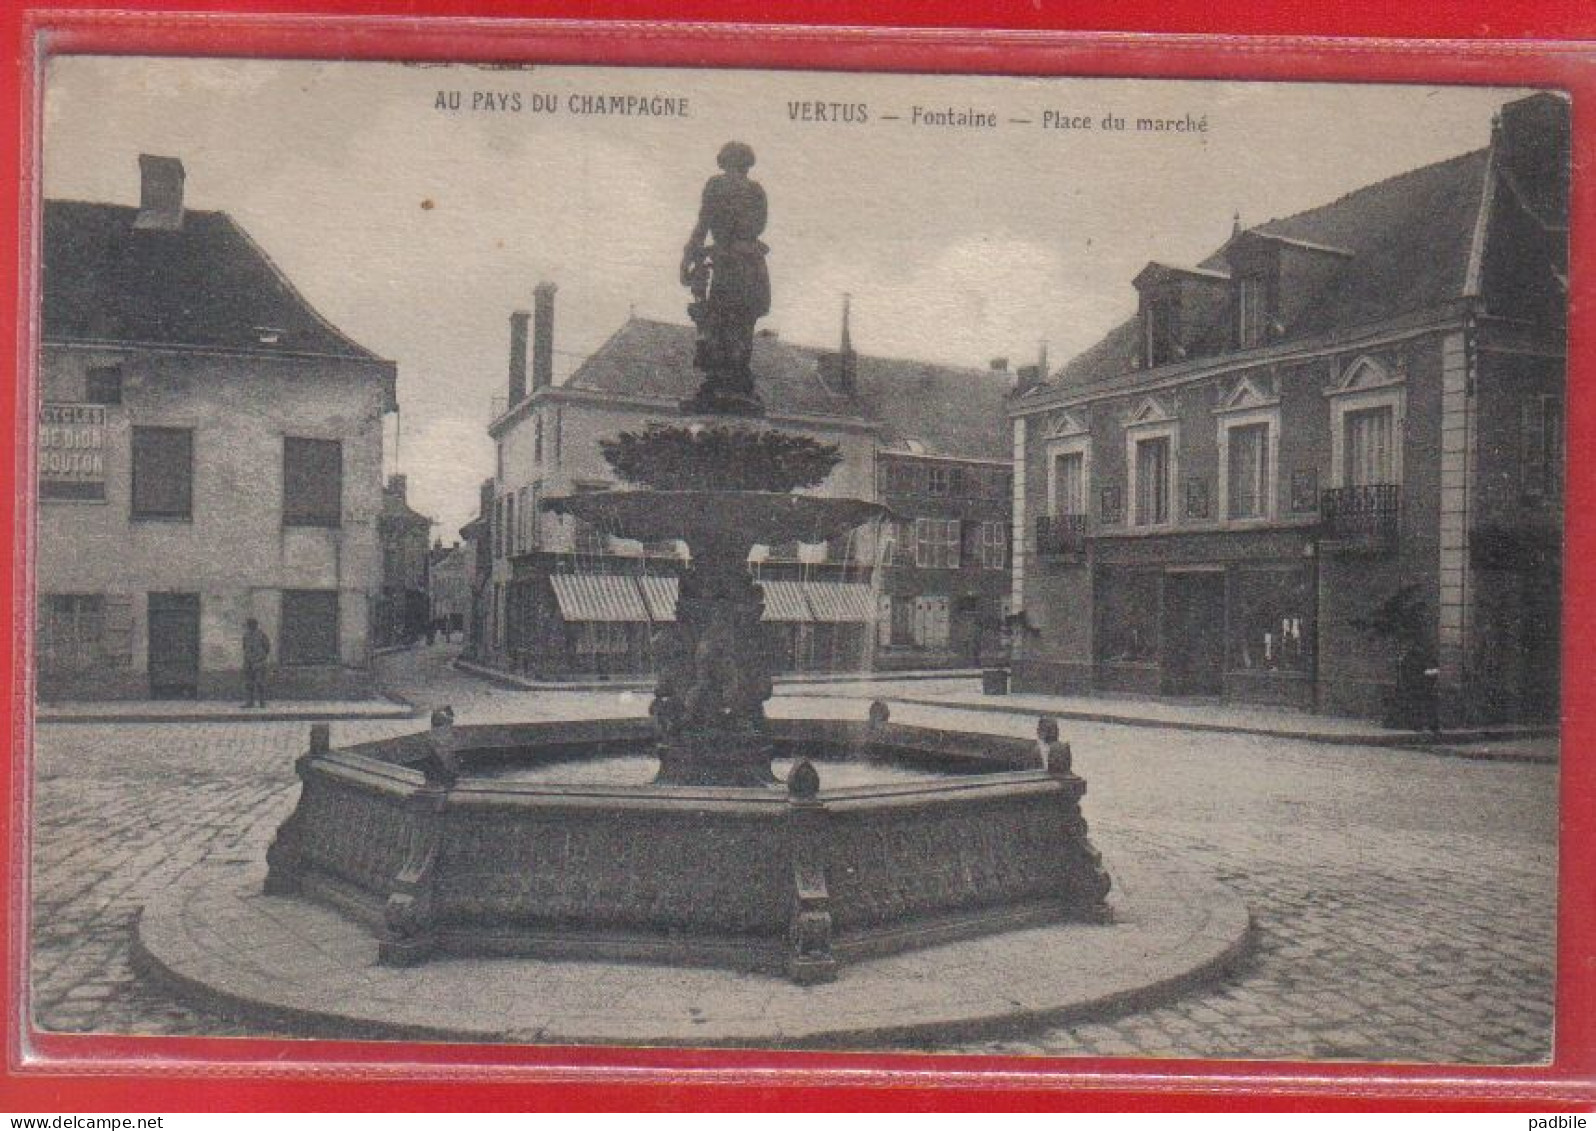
<point x="502" y="840"/>
<point x="296" y="966"/>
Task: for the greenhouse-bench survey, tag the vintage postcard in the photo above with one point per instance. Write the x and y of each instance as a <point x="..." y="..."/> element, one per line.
<point x="666" y="557"/>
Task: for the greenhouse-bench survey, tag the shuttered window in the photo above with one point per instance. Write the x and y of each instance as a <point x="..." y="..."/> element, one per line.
<point x="71" y="631"/>
<point x="163" y="473"/>
<point x="931" y="622"/>
<point x="313" y="482"/>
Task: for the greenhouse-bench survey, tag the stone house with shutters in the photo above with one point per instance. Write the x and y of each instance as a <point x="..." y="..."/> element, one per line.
<point x="567" y="601"/>
<point x="1357" y="405"/>
<point x="209" y="450"/>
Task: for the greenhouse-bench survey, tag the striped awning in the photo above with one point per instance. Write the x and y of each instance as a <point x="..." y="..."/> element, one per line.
<point x="839" y="602"/>
<point x="659" y="594"/>
<point x="598" y="597"/>
<point x="784" y="602"/>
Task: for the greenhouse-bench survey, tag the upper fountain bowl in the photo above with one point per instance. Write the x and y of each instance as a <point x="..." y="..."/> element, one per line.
<point x="702" y="518"/>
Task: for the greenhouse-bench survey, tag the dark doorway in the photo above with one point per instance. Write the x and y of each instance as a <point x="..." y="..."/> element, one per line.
<point x="174" y="645"/>
<point x="1194" y="633"/>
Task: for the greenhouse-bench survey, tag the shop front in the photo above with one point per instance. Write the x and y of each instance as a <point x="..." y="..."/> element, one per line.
<point x="1223" y="616"/>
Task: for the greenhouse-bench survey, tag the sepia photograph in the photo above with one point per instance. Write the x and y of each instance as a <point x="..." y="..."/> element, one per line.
<point x="780" y="559"/>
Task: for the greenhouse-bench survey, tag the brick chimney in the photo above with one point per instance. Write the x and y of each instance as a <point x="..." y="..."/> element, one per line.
<point x="160" y="193"/>
<point x="543" y="336"/>
<point x="518" y="321"/>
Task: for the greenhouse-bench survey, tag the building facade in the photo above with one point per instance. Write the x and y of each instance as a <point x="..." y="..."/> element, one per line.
<point x="449" y="585"/>
<point x="1323" y="468"/>
<point x="404" y="607"/>
<point x="209" y="451"/>
<point x="568" y="600"/>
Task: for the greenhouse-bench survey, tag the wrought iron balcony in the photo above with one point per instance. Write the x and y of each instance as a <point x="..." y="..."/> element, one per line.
<point x="1367" y="517"/>
<point x="1060" y="535"/>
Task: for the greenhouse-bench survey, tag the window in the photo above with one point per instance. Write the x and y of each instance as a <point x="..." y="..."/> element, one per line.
<point x="313" y="482"/>
<point x="936" y="543"/>
<point x="1251" y="312"/>
<point x="1153" y="475"/>
<point x="309" y="627"/>
<point x="1247" y="468"/>
<point x="1368" y="445"/>
<point x="590" y="540"/>
<point x="1068" y="492"/>
<point x="1366" y="427"/>
<point x="1158" y="331"/>
<point x="930" y="626"/>
<point x="103" y="385"/>
<point x="510" y="544"/>
<point x="71" y="631"/>
<point x="537" y="439"/>
<point x="163" y="473"/>
<point x="994" y="545"/>
<point x="1541" y="447"/>
<point x="883" y="620"/>
<point x="940" y="481"/>
<point x="1268" y="618"/>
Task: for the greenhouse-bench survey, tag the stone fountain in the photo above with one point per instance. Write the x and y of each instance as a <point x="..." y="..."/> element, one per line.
<point x="716" y="860"/>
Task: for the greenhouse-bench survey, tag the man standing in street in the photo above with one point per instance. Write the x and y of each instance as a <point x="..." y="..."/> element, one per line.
<point x="256" y="648"/>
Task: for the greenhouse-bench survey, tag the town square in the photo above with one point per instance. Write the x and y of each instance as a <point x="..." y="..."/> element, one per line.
<point x="954" y="619"/>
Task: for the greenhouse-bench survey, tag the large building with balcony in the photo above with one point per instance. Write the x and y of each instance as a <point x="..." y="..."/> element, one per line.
<point x="209" y="452"/>
<point x="1329" y="453"/>
<point x="564" y="600"/>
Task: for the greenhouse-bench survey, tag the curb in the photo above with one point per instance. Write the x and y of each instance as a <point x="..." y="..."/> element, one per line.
<point x="646" y="683"/>
<point x="266" y="716"/>
<point x="1443" y="745"/>
<point x="1231" y="938"/>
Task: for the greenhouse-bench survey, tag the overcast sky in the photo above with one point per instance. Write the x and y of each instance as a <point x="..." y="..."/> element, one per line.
<point x="417" y="230"/>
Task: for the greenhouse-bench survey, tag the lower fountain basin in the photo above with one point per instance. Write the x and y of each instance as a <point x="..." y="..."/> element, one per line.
<point x="946" y="835"/>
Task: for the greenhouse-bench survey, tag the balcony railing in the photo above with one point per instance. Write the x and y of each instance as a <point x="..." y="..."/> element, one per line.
<point x="1368" y="516"/>
<point x="1060" y="535"/>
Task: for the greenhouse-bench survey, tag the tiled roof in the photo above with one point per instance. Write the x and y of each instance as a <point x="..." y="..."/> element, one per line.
<point x="206" y="284"/>
<point x="935" y="409"/>
<point x="1409" y="237"/>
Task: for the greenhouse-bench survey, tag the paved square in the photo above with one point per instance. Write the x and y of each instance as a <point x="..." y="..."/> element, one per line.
<point x="1404" y="901"/>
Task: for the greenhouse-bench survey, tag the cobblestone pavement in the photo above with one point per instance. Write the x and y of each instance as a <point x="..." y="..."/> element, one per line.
<point x="1403" y="901"/>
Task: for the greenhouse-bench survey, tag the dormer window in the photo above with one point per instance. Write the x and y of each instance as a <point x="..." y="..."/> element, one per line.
<point x="1158" y="330"/>
<point x="1178" y="309"/>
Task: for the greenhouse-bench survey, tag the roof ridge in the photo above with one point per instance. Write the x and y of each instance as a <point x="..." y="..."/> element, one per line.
<point x="1371" y="187"/>
<point x="806" y="347"/>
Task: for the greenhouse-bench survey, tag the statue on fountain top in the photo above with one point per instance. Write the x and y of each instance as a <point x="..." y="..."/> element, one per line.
<point x="730" y="285"/>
